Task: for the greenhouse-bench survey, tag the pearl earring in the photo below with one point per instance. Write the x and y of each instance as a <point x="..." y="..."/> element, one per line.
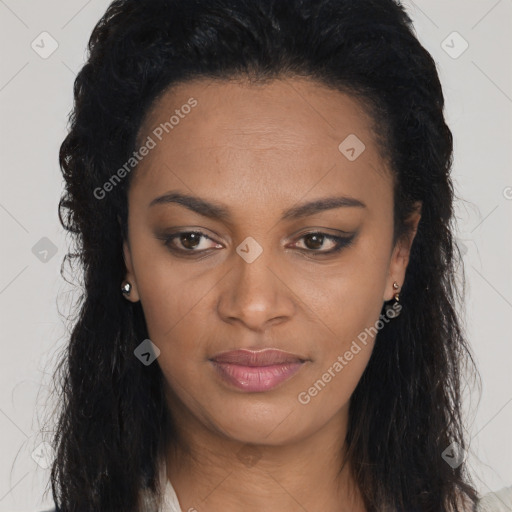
<point x="393" y="310"/>
<point x="126" y="288"/>
<point x="396" y="287"/>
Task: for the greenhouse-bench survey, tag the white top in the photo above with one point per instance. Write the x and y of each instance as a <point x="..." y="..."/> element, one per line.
<point x="170" y="500"/>
<point x="171" y="503"/>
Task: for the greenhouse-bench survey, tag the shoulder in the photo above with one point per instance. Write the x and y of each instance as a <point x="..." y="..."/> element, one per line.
<point x="499" y="501"/>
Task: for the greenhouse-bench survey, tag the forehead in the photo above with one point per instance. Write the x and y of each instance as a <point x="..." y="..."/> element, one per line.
<point x="262" y="139"/>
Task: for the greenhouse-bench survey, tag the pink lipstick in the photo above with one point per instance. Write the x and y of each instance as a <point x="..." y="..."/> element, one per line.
<point x="256" y="371"/>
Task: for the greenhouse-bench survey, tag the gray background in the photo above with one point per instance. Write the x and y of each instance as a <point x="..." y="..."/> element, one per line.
<point x="35" y="99"/>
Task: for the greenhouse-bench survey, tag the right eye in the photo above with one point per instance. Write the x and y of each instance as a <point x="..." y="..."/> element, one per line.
<point x="188" y="242"/>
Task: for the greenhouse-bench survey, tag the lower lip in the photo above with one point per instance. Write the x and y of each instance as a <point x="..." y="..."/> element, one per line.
<point x="256" y="378"/>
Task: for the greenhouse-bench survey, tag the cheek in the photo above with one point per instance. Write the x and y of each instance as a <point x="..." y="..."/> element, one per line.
<point x="348" y="312"/>
<point x="177" y="323"/>
<point x="174" y="309"/>
<point x="349" y="297"/>
<point x="170" y="292"/>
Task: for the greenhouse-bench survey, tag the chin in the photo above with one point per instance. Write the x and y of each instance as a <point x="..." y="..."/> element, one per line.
<point x="265" y="424"/>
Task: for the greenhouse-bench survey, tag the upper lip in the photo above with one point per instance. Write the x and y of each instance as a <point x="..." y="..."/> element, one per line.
<point x="264" y="357"/>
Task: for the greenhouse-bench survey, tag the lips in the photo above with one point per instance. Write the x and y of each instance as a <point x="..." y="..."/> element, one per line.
<point x="266" y="357"/>
<point x="256" y="371"/>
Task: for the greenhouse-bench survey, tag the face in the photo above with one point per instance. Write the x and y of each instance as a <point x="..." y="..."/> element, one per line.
<point x="260" y="218"/>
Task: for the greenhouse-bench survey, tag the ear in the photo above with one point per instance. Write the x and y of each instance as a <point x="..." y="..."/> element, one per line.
<point x="130" y="275"/>
<point x="401" y="253"/>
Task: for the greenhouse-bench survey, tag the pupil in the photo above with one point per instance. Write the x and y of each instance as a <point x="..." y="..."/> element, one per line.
<point x="186" y="238"/>
<point x="318" y="238"/>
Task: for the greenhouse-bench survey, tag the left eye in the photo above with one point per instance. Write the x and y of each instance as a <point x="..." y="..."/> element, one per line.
<point x="315" y="241"/>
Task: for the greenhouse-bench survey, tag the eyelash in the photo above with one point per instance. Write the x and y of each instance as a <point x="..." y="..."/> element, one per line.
<point x="341" y="242"/>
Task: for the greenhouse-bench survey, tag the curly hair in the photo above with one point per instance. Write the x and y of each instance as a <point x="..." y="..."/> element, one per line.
<point x="113" y="421"/>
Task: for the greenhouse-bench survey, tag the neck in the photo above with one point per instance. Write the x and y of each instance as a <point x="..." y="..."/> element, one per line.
<point x="210" y="471"/>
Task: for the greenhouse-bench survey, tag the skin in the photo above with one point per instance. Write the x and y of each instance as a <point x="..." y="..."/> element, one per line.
<point x="259" y="150"/>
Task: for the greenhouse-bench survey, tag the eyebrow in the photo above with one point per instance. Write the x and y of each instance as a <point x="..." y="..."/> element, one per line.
<point x="220" y="212"/>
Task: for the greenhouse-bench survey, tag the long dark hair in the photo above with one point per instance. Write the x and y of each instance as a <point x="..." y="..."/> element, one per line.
<point x="406" y="410"/>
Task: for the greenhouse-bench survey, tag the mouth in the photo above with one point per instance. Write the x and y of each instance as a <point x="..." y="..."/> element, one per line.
<point x="256" y="371"/>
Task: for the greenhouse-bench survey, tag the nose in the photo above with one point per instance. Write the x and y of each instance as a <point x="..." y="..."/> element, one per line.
<point x="256" y="294"/>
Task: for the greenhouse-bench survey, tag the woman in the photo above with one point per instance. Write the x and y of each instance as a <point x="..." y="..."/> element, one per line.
<point x="261" y="200"/>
